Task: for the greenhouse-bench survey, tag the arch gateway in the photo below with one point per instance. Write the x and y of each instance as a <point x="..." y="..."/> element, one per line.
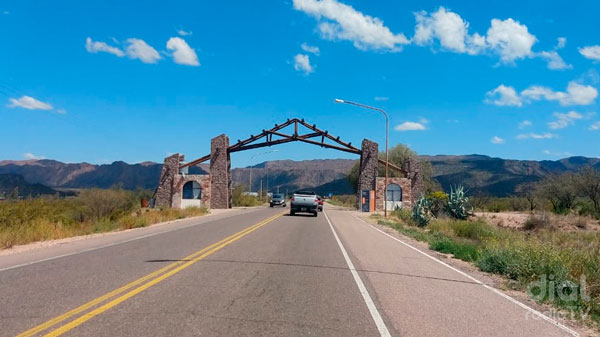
<point x="178" y="189"/>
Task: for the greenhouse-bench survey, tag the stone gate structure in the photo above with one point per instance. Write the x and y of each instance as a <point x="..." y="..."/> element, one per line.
<point x="178" y="189"/>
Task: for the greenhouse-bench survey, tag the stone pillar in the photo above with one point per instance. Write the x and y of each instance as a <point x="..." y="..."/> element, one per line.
<point x="413" y="172"/>
<point x="220" y="175"/>
<point x="164" y="191"/>
<point x="368" y="168"/>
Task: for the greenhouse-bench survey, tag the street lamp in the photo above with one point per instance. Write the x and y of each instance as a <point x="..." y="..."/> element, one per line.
<point x="387" y="122"/>
<point x="251" y="159"/>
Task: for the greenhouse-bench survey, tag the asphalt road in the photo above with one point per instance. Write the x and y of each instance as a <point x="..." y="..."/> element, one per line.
<point x="251" y="273"/>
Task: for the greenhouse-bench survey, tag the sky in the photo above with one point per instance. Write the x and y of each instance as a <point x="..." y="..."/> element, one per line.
<point x="101" y="81"/>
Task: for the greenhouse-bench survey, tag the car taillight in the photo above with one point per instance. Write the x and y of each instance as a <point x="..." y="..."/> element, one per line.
<point x="292" y="199"/>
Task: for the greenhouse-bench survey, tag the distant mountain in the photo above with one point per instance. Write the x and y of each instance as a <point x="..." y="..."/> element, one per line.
<point x="499" y="177"/>
<point x="9" y="181"/>
<point x="480" y="174"/>
<point x="289" y="175"/>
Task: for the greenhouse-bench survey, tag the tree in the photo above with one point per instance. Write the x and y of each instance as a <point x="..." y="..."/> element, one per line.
<point x="527" y="191"/>
<point x="397" y="156"/>
<point x="560" y="190"/>
<point x="587" y="182"/>
<point x="14" y="195"/>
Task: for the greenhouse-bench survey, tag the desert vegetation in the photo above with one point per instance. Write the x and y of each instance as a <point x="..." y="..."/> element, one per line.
<point x="344" y="200"/>
<point x="524" y="255"/>
<point x="239" y="198"/>
<point x="91" y="211"/>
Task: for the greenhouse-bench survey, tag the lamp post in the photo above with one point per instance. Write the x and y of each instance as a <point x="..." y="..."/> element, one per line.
<point x="251" y="159"/>
<point x="387" y="122"/>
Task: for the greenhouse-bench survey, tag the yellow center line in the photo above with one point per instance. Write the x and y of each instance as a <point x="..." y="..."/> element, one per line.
<point x="193" y="258"/>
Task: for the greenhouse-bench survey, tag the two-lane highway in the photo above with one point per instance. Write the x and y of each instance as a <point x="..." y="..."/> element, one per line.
<point x="256" y="273"/>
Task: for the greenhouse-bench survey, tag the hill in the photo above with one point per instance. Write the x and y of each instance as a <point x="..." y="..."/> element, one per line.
<point x="9" y="181"/>
<point x="480" y="174"/>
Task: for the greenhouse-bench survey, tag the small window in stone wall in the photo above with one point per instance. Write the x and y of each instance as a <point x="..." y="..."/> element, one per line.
<point x="394" y="192"/>
<point x="192" y="190"/>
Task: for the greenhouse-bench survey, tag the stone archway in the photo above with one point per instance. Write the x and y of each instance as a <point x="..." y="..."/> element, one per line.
<point x="216" y="186"/>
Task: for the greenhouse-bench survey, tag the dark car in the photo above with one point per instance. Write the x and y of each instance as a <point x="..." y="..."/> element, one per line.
<point x="277" y="200"/>
<point x="320" y="201"/>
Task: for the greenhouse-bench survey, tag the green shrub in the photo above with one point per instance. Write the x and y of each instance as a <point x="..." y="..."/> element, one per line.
<point x="421" y="211"/>
<point x="458" y="203"/>
<point x="463" y="251"/>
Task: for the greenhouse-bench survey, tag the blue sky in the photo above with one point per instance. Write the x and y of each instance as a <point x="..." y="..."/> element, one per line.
<point x="100" y="81"/>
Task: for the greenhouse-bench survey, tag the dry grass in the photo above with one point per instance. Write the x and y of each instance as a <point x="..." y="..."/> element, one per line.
<point x="93" y="211"/>
<point x="525" y="256"/>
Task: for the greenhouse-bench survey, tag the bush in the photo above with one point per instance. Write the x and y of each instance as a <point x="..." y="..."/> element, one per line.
<point x="458" y="203"/>
<point x="421" y="213"/>
<point x="239" y="199"/>
<point x="463" y="251"/>
<point x="345" y="200"/>
<point x="110" y="203"/>
<point x="540" y="221"/>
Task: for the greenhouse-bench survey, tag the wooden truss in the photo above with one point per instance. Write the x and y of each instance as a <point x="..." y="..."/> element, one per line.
<point x="277" y="136"/>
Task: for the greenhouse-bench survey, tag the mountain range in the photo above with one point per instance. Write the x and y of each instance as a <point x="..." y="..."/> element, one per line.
<point x="480" y="174"/>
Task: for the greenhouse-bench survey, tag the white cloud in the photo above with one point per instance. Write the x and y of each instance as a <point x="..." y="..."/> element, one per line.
<point x="503" y="96"/>
<point x="590" y="52"/>
<point x="510" y="39"/>
<point x="555" y="62"/>
<point x="595" y="126"/>
<point x="139" y="49"/>
<point x="29" y="103"/>
<point x="61" y="111"/>
<point x="183" y="32"/>
<point x="576" y="94"/>
<point x="536" y="135"/>
<point x="310" y="49"/>
<point x="497" y="140"/>
<point x="381" y="98"/>
<point x="449" y="29"/>
<point x="524" y="124"/>
<point x="338" y="21"/>
<point x="564" y="119"/>
<point x="98" y="46"/>
<point x="182" y="53"/>
<point x="557" y="154"/>
<point x="31" y="156"/>
<point x="302" y="63"/>
<point x="410" y="126"/>
<point x="561" y="42"/>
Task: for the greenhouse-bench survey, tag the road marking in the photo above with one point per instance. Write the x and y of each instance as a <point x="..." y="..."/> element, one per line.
<point x="494" y="290"/>
<point x="119" y="242"/>
<point x="193" y="257"/>
<point x="383" y="330"/>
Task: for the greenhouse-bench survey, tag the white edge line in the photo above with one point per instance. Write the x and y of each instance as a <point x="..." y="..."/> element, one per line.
<point x="383" y="330"/>
<point x="116" y="243"/>
<point x="494" y="290"/>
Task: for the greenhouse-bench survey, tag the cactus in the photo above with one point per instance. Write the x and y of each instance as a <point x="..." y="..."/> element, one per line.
<point x="421" y="211"/>
<point x="458" y="203"/>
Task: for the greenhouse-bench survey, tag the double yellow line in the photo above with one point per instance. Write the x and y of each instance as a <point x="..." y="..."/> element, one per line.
<point x="164" y="273"/>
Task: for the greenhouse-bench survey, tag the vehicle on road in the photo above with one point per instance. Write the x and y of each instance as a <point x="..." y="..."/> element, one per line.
<point x="304" y="202"/>
<point x="320" y="203"/>
<point x="277" y="200"/>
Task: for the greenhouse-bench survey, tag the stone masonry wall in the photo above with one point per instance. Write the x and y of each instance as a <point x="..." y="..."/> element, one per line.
<point x="180" y="180"/>
<point x="220" y="172"/>
<point x="404" y="183"/>
<point x="164" y="192"/>
<point x="368" y="168"/>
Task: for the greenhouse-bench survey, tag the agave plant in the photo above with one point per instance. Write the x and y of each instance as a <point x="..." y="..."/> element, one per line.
<point x="421" y="211"/>
<point x="458" y="203"/>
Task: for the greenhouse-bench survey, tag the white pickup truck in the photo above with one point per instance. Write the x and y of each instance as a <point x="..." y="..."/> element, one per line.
<point x="304" y="201"/>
